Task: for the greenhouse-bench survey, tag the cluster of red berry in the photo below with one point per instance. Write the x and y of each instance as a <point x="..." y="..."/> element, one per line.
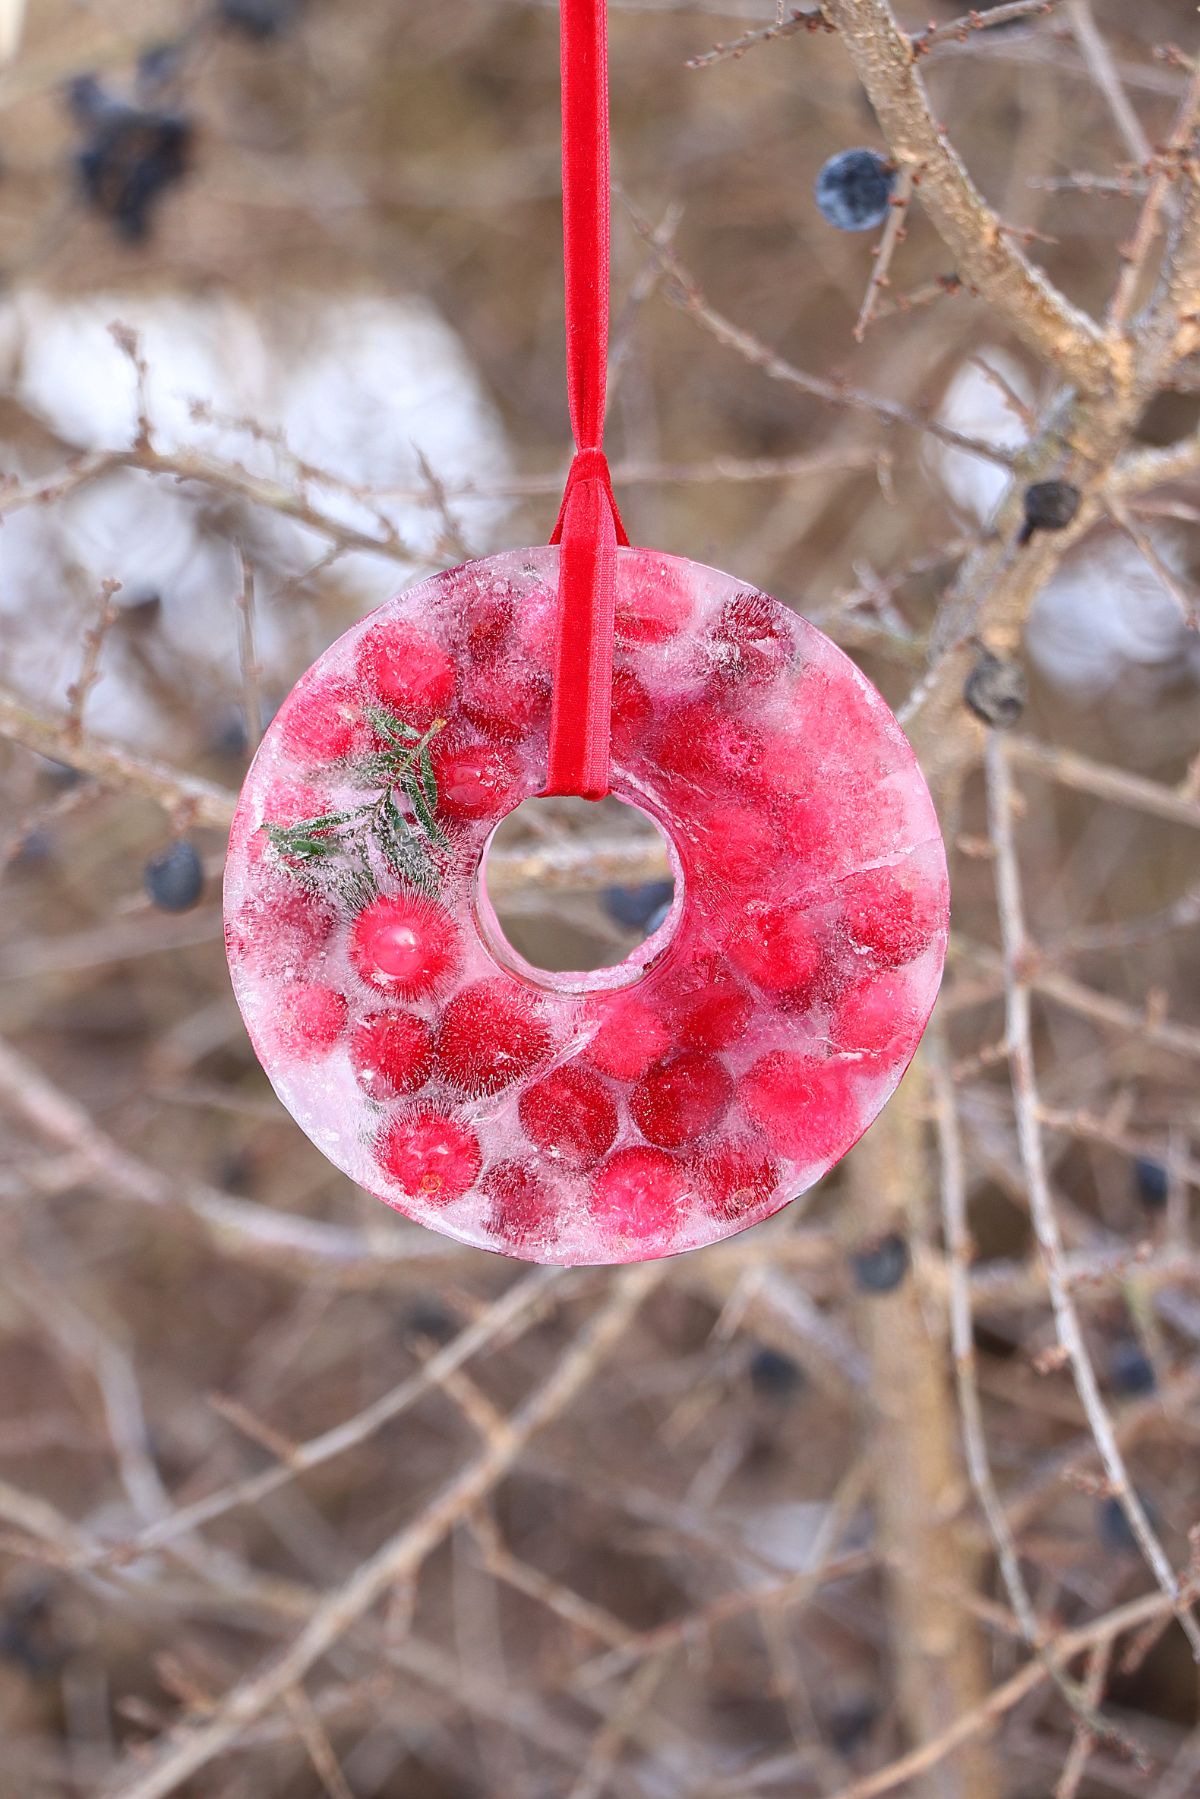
<point x="774" y="1010"/>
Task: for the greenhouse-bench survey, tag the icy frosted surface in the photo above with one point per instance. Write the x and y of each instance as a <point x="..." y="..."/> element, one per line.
<point x="632" y="1112"/>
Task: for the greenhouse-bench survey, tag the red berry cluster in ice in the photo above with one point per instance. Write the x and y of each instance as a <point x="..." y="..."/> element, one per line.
<point x="569" y="1119"/>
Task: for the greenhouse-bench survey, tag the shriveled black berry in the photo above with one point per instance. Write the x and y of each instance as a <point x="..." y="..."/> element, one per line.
<point x="1049" y="506"/>
<point x="1129" y="1371"/>
<point x="880" y="1266"/>
<point x="772" y="1375"/>
<point x="996" y="691"/>
<point x="634" y="907"/>
<point x="174" y="880"/>
<point x="130" y="155"/>
<point x="1150" y="1183"/>
<point x="854" y="190"/>
<point x="261" y="19"/>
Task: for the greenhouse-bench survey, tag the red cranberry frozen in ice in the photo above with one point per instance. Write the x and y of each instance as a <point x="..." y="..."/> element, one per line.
<point x="391" y="1053"/>
<point x="492" y="1034"/>
<point x="307" y="1020"/>
<point x="681" y="1098"/>
<point x="751" y="642"/>
<point x="735" y="851"/>
<point x="805" y="1110"/>
<point x="714" y="1013"/>
<point x="630" y="1036"/>
<point x="632" y="708"/>
<point x="322" y="720"/>
<point x="778" y="949"/>
<point x="705" y="746"/>
<point x="892" y="913"/>
<point x="403" y="943"/>
<point x="475" y="781"/>
<point x="789" y="767"/>
<point x="523" y="1208"/>
<point x="489" y="624"/>
<point x="407" y="670"/>
<point x="874" y="1016"/>
<point x="638" y="1194"/>
<point x="570" y="1115"/>
<point x="281" y="928"/>
<point x="430" y="1155"/>
<point x="653" y="601"/>
<point x="733" y="1176"/>
<point x="505" y="699"/>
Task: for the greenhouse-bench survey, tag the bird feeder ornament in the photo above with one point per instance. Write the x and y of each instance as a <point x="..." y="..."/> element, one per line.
<point x="743" y="1048"/>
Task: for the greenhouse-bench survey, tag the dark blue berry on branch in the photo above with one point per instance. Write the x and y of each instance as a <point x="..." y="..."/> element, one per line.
<point x="1113" y="1527"/>
<point x="1150" y="1183"/>
<point x="1129" y="1371"/>
<point x="854" y="190"/>
<point x="881" y="1265"/>
<point x="772" y="1375"/>
<point x="996" y="691"/>
<point x="260" y="19"/>
<point x="634" y="907"/>
<point x="1049" y="506"/>
<point x="174" y="880"/>
<point x="130" y="155"/>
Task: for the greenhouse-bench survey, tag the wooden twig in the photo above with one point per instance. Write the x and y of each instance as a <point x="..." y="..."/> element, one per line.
<point x="986" y="257"/>
<point x="685" y="293"/>
<point x="1041" y="1204"/>
<point x="801" y="19"/>
<point x="960" y="30"/>
<point x="1096" y="54"/>
<point x="89" y="673"/>
<point x="187" y="1751"/>
<point x="187" y="797"/>
<point x="1164" y="172"/>
<point x="941" y="1670"/>
<point x="893" y="236"/>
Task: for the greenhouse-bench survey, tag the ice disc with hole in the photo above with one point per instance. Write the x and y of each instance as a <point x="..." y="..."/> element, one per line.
<point x="631" y="1111"/>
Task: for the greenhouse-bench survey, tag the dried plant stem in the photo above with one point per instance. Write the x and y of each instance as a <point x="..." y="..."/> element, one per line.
<point x="1041" y="1204"/>
<point x="959" y="30"/>
<point x="962" y="1346"/>
<point x="187" y="796"/>
<point x="940" y="1665"/>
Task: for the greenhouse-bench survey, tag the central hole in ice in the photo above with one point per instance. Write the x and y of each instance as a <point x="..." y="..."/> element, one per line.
<point x="578" y="885"/>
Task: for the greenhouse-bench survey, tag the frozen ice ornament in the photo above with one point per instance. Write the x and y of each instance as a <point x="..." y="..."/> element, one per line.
<point x="642" y="1109"/>
<point x="747" y="1044"/>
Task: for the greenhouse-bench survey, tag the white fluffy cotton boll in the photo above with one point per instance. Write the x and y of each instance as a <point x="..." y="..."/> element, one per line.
<point x="360" y="388"/>
<point x="978" y="407"/>
<point x="1108" y="612"/>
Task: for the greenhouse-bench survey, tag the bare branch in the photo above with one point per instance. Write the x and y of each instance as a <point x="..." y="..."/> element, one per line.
<point x="986" y="256"/>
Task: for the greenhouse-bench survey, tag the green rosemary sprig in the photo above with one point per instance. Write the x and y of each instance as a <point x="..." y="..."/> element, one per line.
<point x="396" y="831"/>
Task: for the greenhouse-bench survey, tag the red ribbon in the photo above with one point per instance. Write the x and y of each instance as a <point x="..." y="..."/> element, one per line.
<point x="589" y="526"/>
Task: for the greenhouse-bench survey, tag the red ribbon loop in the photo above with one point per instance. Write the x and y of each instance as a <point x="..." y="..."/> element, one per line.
<point x="589" y="525"/>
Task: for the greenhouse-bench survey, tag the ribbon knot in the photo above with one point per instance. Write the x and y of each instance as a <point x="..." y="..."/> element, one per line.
<point x="590" y="464"/>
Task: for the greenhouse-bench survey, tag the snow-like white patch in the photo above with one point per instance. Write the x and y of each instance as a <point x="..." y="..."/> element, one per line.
<point x="1106" y="615"/>
<point x="978" y="406"/>
<point x="372" y="392"/>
